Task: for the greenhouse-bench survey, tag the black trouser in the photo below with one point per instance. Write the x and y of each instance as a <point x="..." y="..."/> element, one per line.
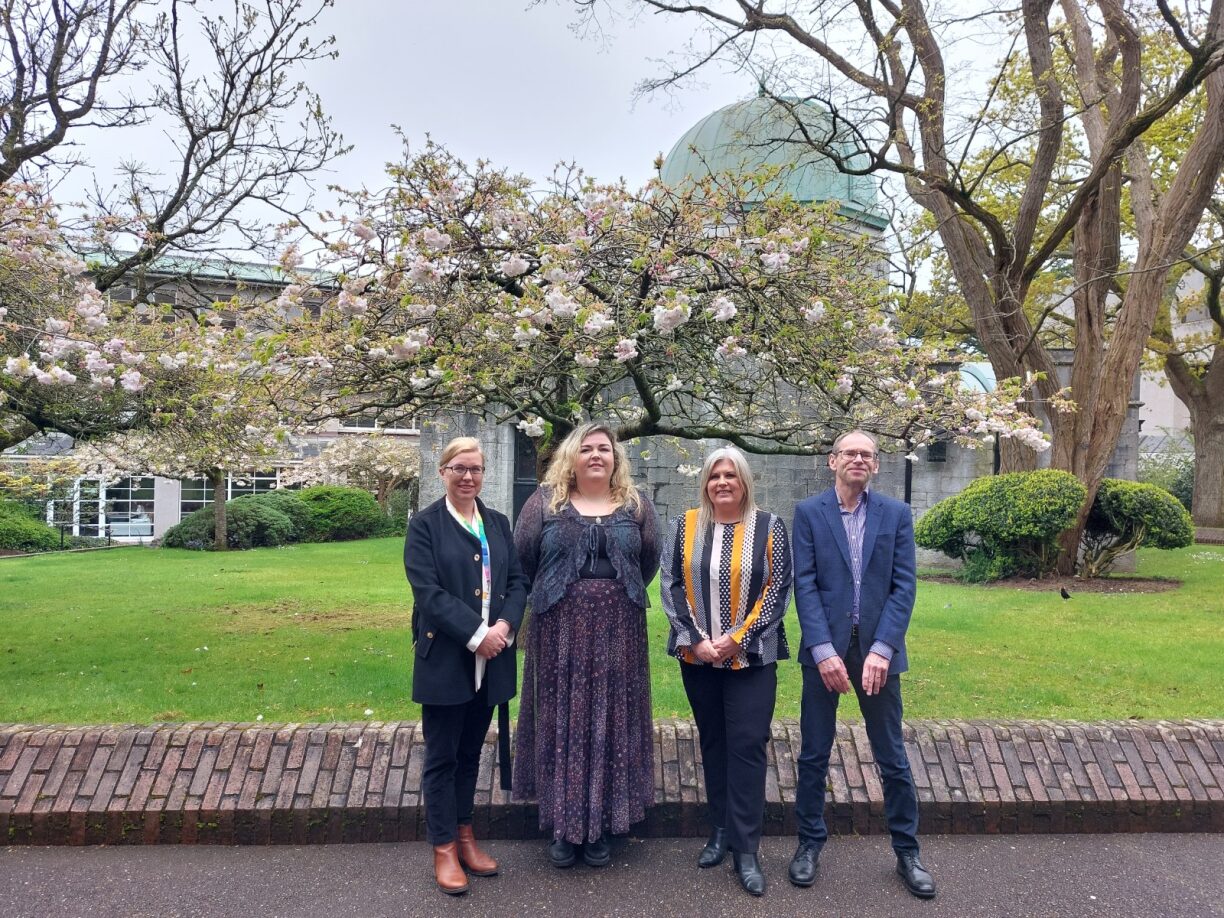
<point x="454" y="737"/>
<point x="733" y="710"/>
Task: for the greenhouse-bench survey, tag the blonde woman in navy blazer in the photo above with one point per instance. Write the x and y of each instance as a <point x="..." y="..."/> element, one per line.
<point x="469" y="592"/>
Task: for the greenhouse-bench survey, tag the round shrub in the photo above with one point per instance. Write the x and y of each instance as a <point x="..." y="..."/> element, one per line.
<point x="1126" y="515"/>
<point x="250" y="523"/>
<point x="341" y="513"/>
<point x="1005" y="524"/>
<point x="20" y="533"/>
<point x="288" y="503"/>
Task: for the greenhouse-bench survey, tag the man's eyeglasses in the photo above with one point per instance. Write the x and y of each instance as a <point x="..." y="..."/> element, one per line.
<point x="864" y="454"/>
<point x="460" y="471"/>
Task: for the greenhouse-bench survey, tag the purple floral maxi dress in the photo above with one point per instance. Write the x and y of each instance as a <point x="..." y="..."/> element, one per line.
<point x="584" y="743"/>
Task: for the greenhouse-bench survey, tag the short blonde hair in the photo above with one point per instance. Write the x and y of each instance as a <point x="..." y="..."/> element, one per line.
<point x="561" y="479"/>
<point x="705" y="515"/>
<point x="457" y="446"/>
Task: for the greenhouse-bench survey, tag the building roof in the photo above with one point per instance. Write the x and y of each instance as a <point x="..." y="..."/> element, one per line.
<point x="978" y="375"/>
<point x="221" y="269"/>
<point x="744" y="137"/>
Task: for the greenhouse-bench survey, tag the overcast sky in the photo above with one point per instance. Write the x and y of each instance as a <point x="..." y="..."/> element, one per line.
<point x="493" y="78"/>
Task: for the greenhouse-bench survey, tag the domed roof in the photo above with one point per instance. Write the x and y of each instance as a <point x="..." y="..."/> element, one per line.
<point x="744" y="137"/>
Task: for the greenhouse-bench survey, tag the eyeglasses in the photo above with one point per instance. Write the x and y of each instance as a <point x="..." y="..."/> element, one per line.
<point x="864" y="454"/>
<point x="461" y="471"/>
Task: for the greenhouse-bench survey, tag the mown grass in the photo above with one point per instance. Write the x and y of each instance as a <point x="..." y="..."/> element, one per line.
<point x="321" y="633"/>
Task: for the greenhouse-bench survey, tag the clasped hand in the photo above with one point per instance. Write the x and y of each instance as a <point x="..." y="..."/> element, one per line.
<point x="836" y="679"/>
<point x="718" y="651"/>
<point x="495" y="641"/>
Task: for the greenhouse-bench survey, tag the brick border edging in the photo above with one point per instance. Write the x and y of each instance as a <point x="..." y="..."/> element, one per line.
<point x="218" y="783"/>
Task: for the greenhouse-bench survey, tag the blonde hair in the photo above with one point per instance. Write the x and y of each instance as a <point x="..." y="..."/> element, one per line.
<point x="457" y="446"/>
<point x="561" y="479"/>
<point x="705" y="513"/>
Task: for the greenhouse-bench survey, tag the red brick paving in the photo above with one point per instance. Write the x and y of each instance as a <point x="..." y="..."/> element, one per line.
<point x="297" y="784"/>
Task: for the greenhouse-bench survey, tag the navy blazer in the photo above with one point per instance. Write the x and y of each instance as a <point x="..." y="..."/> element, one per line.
<point x="824" y="584"/>
<point x="442" y="560"/>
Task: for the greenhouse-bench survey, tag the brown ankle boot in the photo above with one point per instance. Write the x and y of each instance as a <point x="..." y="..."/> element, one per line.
<point x="447" y="870"/>
<point x="471" y="857"/>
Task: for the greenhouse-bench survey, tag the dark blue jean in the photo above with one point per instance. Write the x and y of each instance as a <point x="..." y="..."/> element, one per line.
<point x="882" y="718"/>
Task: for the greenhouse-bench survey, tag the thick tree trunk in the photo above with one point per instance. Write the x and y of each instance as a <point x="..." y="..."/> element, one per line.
<point x="1015" y="457"/>
<point x="216" y="479"/>
<point x="1208" y="466"/>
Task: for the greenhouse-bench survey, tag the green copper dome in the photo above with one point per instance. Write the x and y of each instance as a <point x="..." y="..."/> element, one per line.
<point x="744" y="137"/>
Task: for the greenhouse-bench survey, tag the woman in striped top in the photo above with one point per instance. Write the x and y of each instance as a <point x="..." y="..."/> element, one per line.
<point x="725" y="584"/>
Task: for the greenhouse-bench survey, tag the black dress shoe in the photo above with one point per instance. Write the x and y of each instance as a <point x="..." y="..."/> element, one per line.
<point x="748" y="870"/>
<point x="598" y="853"/>
<point x="918" y="879"/>
<point x="715" y="849"/>
<point x="802" y="870"/>
<point x="562" y="853"/>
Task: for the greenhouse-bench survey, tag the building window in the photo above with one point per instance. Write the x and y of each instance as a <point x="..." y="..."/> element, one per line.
<point x="197" y="492"/>
<point x="122" y="509"/>
<point x="370" y="420"/>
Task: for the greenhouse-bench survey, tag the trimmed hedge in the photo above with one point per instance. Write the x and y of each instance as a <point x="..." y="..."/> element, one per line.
<point x="1004" y="525"/>
<point x="250" y="522"/>
<point x="340" y="514"/>
<point x="1126" y="515"/>
<point x="322" y="514"/>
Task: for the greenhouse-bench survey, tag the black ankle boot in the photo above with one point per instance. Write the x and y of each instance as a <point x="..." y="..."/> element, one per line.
<point x="748" y="870"/>
<point x="715" y="850"/>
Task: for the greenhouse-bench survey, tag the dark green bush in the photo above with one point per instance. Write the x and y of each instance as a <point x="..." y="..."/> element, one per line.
<point x="20" y="533"/>
<point x="289" y="503"/>
<point x="341" y="514"/>
<point x="1173" y="471"/>
<point x="250" y="523"/>
<point x="1004" y="524"/>
<point x="1126" y="515"/>
<point x="30" y="510"/>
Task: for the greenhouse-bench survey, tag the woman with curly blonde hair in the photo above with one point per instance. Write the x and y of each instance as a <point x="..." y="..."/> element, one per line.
<point x="589" y="541"/>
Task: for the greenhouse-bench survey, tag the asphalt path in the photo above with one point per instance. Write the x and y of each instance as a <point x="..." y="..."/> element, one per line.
<point x="1051" y="875"/>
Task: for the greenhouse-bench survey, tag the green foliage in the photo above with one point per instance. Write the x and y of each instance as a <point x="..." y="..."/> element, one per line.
<point x="341" y="514"/>
<point x="250" y="523"/>
<point x="1126" y="515"/>
<point x="400" y="502"/>
<point x="20" y="533"/>
<point x="1172" y="471"/>
<point x="25" y="509"/>
<point x="1004" y="524"/>
<point x="288" y="503"/>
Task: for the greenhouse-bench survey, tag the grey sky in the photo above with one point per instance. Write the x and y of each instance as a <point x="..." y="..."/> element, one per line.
<point x="492" y="78"/>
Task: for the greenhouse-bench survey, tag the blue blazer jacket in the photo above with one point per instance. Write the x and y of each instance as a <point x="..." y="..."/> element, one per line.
<point x="824" y="584"/>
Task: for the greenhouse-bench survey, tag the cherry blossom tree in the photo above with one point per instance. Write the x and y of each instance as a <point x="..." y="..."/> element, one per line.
<point x="378" y="462"/>
<point x="715" y="310"/>
<point x="220" y="87"/>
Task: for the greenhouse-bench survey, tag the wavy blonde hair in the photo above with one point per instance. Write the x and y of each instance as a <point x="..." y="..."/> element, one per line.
<point x="705" y="515"/>
<point x="561" y="479"/>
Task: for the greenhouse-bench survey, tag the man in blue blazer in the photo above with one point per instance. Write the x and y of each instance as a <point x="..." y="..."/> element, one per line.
<point x="854" y="589"/>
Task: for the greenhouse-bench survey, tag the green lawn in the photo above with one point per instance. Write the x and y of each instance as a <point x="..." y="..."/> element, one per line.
<point x="320" y="632"/>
